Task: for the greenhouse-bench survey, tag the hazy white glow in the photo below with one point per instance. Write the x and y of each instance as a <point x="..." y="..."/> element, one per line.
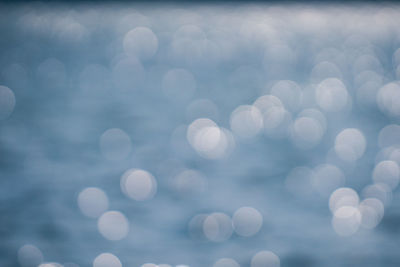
<point x="372" y="211"/>
<point x="315" y="114"/>
<point x="327" y="178"/>
<point x="389" y="98"/>
<point x="217" y="227"/>
<point x="379" y="191"/>
<point x="343" y="197"/>
<point x="279" y="59"/>
<point x="208" y="139"/>
<point x="107" y="260"/>
<point x="366" y="94"/>
<point x="276" y="122"/>
<point x="195" y="226"/>
<point x="289" y="93"/>
<point x="138" y="184"/>
<point x="346" y="220"/>
<point x="113" y="225"/>
<point x="367" y="62"/>
<point x="29" y="256"/>
<point x="265" y="259"/>
<point x="179" y="84"/>
<point x="246" y="121"/>
<point x="190" y="182"/>
<point x="115" y="144"/>
<point x="306" y="132"/>
<point x="368" y="76"/>
<point x="331" y="95"/>
<point x="350" y="144"/>
<point x="50" y="264"/>
<point x="389" y="135"/>
<point x="395" y="155"/>
<point x="265" y="102"/>
<point x="226" y="262"/>
<point x="7" y="102"/>
<point x="324" y="70"/>
<point x="92" y="202"/>
<point x="387" y="172"/>
<point x="202" y="108"/>
<point x="190" y="47"/>
<point x="141" y="42"/>
<point x="247" y="221"/>
<point x="132" y="20"/>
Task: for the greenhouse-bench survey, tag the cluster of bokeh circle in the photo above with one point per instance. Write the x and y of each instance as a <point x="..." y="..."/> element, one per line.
<point x="287" y="110"/>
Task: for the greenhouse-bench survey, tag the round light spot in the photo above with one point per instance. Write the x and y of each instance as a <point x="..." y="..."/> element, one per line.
<point x="367" y="62"/>
<point x="387" y="172"/>
<point x="226" y="262"/>
<point x="366" y="94"/>
<point x="350" y="144"/>
<point x="29" y="256"/>
<point x="327" y="178"/>
<point x="265" y="259"/>
<point x="195" y="227"/>
<point x="331" y="95"/>
<point x="324" y="70"/>
<point x="289" y="93"/>
<point x="208" y="139"/>
<point x="113" y="225"/>
<point x="179" y="84"/>
<point x="265" y="102"/>
<point x="388" y="99"/>
<point x="141" y="42"/>
<point x="368" y="76"/>
<point x="138" y="184"/>
<point x="50" y="264"/>
<point x="343" y="197"/>
<point x="372" y="211"/>
<point x="315" y="114"/>
<point x="115" y="144"/>
<point x="246" y="121"/>
<point x="394" y="155"/>
<point x="277" y="121"/>
<point x="379" y="191"/>
<point x="306" y="132"/>
<point x="7" y="102"/>
<point x="217" y="227"/>
<point x="107" y="260"/>
<point x="92" y="202"/>
<point x="346" y="220"/>
<point x="247" y="221"/>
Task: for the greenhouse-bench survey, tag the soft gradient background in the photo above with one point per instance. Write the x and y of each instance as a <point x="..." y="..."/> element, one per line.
<point x="74" y="71"/>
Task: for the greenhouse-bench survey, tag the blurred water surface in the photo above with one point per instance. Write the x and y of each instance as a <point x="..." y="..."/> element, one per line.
<point x="199" y="135"/>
